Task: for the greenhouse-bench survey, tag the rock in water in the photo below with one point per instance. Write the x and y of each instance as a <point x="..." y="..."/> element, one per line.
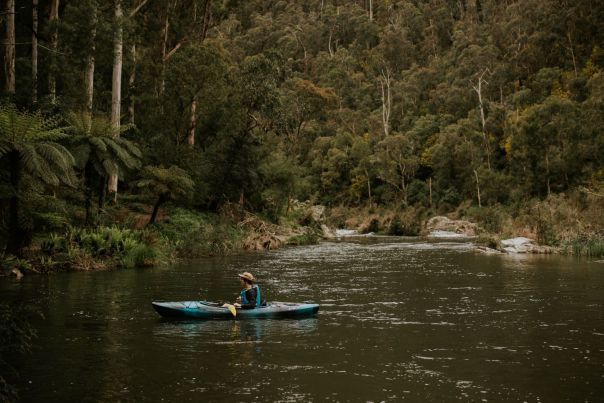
<point x="524" y="245"/>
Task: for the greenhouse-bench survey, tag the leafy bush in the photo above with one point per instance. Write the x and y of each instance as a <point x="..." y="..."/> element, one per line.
<point x="489" y="218"/>
<point x="418" y="193"/>
<point x="404" y="226"/>
<point x="125" y="247"/>
<point x="374" y="226"/>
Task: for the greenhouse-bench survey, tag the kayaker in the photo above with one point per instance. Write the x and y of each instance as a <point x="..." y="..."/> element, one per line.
<point x="249" y="297"/>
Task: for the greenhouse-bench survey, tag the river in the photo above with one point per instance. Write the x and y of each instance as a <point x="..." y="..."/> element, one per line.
<point x="400" y="318"/>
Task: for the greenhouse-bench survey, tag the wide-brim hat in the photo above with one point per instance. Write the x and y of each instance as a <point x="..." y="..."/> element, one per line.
<point x="248" y="276"/>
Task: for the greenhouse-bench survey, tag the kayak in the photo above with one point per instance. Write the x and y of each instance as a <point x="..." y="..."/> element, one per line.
<point x="215" y="310"/>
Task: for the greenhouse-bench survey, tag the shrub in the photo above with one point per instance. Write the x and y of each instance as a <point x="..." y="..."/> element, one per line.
<point x="585" y="245"/>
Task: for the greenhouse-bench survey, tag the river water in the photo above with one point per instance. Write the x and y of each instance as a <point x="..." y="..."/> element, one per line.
<point x="400" y="319"/>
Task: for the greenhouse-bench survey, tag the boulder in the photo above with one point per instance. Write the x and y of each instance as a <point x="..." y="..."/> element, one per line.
<point x="440" y="224"/>
<point x="524" y="245"/>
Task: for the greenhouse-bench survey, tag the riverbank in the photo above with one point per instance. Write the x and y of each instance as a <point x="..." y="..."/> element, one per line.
<point x="178" y="234"/>
<point x="567" y="224"/>
<point x="570" y="224"/>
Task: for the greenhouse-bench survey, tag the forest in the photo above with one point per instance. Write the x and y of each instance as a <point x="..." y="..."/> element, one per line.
<point x="491" y="110"/>
<point x="134" y="132"/>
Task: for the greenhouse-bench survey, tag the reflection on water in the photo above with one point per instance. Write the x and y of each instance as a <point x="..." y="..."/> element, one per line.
<point x="400" y="318"/>
<point x="234" y="331"/>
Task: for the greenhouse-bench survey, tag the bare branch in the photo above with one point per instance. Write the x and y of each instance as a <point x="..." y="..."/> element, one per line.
<point x="137" y="8"/>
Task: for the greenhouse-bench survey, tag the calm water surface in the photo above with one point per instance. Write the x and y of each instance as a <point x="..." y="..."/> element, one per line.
<point x="400" y="319"/>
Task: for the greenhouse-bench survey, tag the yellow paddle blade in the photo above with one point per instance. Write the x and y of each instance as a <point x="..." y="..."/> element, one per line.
<point x="232" y="310"/>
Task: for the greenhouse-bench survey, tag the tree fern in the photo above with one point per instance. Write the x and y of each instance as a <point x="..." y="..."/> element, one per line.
<point x="29" y="147"/>
<point x="98" y="153"/>
<point x="166" y="183"/>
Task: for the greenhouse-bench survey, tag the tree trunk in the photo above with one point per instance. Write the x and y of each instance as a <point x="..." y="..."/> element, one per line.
<point x="116" y="89"/>
<point x="9" y="55"/>
<point x="385" y="81"/>
<point x="164" y="51"/>
<point x="101" y="195"/>
<point x="54" y="44"/>
<point x="193" y="125"/>
<point x="369" y="188"/>
<point x="159" y="202"/>
<point x="34" y="51"/>
<point x="131" y="82"/>
<point x="477" y="188"/>
<point x="207" y="16"/>
<point x="370" y="10"/>
<point x="90" y="64"/>
<point x="88" y="192"/>
<point x="572" y="52"/>
<point x="16" y="235"/>
<point x="478" y="89"/>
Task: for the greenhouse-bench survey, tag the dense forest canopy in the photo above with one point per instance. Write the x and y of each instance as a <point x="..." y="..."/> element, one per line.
<point x="383" y="102"/>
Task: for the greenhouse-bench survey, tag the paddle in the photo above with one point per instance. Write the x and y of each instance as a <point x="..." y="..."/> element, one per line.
<point x="232" y="309"/>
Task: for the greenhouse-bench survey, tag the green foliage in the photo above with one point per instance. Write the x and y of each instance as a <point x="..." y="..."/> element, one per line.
<point x="94" y="143"/>
<point x="171" y="183"/>
<point x="591" y="245"/>
<point x="489" y="218"/>
<point x="262" y="103"/>
<point x="34" y="140"/>
<point x="193" y="234"/>
<point x="113" y="245"/>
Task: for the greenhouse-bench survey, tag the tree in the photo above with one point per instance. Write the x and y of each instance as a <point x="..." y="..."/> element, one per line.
<point x="54" y="44"/>
<point x="28" y="146"/>
<point x="97" y="152"/>
<point x="9" y="54"/>
<point x="166" y="183"/>
<point x="34" y="51"/>
<point x="397" y="161"/>
<point x="116" y="88"/>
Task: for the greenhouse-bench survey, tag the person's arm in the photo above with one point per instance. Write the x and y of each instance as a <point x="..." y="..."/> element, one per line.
<point x="251" y="298"/>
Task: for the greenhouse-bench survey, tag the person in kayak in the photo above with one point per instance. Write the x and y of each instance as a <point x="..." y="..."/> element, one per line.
<point x="249" y="297"/>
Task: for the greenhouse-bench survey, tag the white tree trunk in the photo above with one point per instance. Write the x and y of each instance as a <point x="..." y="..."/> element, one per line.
<point x="9" y="55"/>
<point x="193" y="126"/>
<point x="477" y="188"/>
<point x="54" y="44"/>
<point x="370" y="10"/>
<point x="478" y="89"/>
<point x="90" y="64"/>
<point x="164" y="52"/>
<point x="116" y="88"/>
<point x="34" y="51"/>
<point x="385" y="81"/>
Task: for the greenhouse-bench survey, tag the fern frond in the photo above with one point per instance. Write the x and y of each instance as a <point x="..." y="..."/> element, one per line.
<point x="122" y="157"/>
<point x="132" y="148"/>
<point x="57" y="155"/>
<point x="98" y="143"/>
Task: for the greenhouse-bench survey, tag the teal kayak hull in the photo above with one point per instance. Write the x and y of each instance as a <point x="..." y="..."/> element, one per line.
<point x="211" y="310"/>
